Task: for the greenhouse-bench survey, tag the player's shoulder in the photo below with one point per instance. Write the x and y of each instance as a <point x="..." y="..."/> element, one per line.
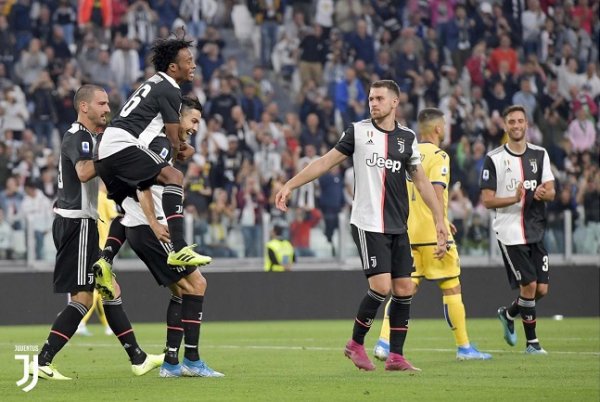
<point x="163" y="84"/>
<point x="75" y="132"/>
<point x="496" y="151"/>
<point x="405" y="130"/>
<point x="536" y="148"/>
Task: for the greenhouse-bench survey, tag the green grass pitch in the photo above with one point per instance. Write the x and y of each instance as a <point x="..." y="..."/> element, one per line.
<point x="303" y="361"/>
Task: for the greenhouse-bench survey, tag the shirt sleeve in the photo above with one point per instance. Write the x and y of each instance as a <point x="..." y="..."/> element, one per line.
<point x="440" y="169"/>
<point x="170" y="106"/>
<point x="488" y="175"/>
<point x="346" y="142"/>
<point x="415" y="158"/>
<point x="79" y="146"/>
<point x="547" y="170"/>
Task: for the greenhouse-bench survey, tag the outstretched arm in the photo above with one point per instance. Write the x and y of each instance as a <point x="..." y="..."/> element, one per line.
<point x="314" y="169"/>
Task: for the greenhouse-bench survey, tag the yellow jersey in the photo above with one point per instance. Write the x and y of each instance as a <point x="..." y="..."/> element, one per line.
<point x="107" y="211"/>
<point x="436" y="164"/>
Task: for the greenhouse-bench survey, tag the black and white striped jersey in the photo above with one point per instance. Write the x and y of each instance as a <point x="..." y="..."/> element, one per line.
<point x="74" y="198"/>
<point x="380" y="158"/>
<point x="503" y="170"/>
<point x="156" y="102"/>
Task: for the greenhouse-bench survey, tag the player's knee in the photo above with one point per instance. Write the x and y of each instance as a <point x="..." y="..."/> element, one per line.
<point x="194" y="284"/>
<point x="529" y="290"/>
<point x="172" y="176"/>
<point x="85" y="298"/>
<point x="541" y="291"/>
<point x="450" y="286"/>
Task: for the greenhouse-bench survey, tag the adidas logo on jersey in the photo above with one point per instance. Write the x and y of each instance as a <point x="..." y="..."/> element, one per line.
<point x="381" y="162"/>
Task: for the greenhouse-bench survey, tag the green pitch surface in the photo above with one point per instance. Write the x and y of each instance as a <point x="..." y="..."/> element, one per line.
<point x="303" y="361"/>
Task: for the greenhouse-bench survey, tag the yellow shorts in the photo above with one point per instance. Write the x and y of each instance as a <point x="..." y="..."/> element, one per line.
<point x="428" y="267"/>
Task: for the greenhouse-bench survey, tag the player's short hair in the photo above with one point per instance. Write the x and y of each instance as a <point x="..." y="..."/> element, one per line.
<point x="190" y="102"/>
<point x="85" y="93"/>
<point x="165" y="51"/>
<point x="429" y="114"/>
<point x="513" y="108"/>
<point x="389" y="84"/>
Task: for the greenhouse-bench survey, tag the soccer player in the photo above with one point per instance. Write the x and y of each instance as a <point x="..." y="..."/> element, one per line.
<point x="187" y="285"/>
<point x="124" y="159"/>
<point x="423" y="240"/>
<point x="516" y="181"/>
<point x="76" y="238"/>
<point x="383" y="152"/>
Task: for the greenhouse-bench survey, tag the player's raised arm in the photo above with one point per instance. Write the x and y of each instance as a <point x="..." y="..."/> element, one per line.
<point x="314" y="170"/>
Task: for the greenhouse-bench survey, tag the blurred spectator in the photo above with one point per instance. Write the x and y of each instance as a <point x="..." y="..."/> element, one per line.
<point x="459" y="210"/>
<point x="37" y="209"/>
<point x="251" y="203"/>
<point x="229" y="164"/>
<point x="222" y="215"/>
<point x="41" y="93"/>
<point x="285" y="55"/>
<point x="251" y="104"/>
<point x="350" y="98"/>
<point x="331" y="201"/>
<point x="587" y="238"/>
<point x="279" y="252"/>
<point x="65" y="17"/>
<point x="304" y="221"/>
<point x="555" y="235"/>
<point x="6" y="238"/>
<point x="268" y="15"/>
<point x="346" y="13"/>
<point x="361" y="44"/>
<point x="313" y="51"/>
<point x="13" y="112"/>
<point x="141" y="22"/>
<point x="11" y="199"/>
<point x="581" y="131"/>
<point x="125" y="64"/>
<point x="532" y="21"/>
<point x="526" y="98"/>
<point x="503" y="53"/>
<point x="312" y="134"/>
<point x="306" y="195"/>
<point x="31" y="63"/>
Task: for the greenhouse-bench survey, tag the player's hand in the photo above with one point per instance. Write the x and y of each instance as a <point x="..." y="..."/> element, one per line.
<point x="442" y="240"/>
<point x="540" y="193"/>
<point x="161" y="232"/>
<point x="186" y="151"/>
<point x="453" y="229"/>
<point x="520" y="193"/>
<point x="281" y="198"/>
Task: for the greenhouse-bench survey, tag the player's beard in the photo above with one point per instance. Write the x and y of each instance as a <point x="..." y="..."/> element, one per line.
<point x="520" y="135"/>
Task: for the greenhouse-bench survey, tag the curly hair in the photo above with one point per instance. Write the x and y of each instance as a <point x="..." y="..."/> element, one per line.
<point x="165" y="51"/>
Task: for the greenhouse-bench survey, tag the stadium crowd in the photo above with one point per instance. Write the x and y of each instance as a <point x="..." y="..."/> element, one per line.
<point x="304" y="76"/>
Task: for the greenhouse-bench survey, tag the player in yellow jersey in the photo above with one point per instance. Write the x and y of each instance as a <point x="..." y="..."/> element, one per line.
<point x="423" y="240"/>
<point x="107" y="211"/>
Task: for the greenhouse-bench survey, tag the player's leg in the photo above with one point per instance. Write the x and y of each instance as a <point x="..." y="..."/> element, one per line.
<point x="374" y="251"/>
<point x="103" y="267"/>
<point x="171" y="366"/>
<point x="101" y="313"/>
<point x="403" y="288"/>
<point x="382" y="348"/>
<point x="119" y="323"/>
<point x="193" y="287"/>
<point x="82" y="328"/>
<point x="72" y="274"/>
<point x="454" y="312"/>
<point x="537" y="272"/>
<point x="507" y="316"/>
<point x="172" y="201"/>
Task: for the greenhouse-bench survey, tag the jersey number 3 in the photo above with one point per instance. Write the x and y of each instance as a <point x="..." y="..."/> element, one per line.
<point x="135" y="100"/>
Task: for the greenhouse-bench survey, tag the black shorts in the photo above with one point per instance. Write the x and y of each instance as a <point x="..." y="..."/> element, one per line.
<point x="525" y="263"/>
<point x="77" y="249"/>
<point x="135" y="167"/>
<point x="154" y="254"/>
<point x="384" y="253"/>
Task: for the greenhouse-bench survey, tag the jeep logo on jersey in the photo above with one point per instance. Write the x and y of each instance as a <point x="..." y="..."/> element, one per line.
<point x="533" y="164"/>
<point x="527" y="185"/>
<point x="380" y="162"/>
<point x="401" y="145"/>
